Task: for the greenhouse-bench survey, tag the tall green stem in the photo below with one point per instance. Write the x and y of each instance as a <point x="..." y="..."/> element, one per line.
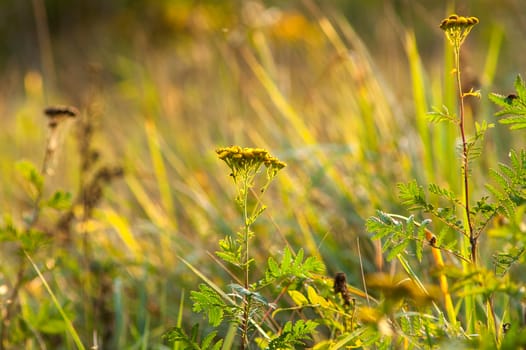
<point x="465" y="161"/>
<point x="246" y="233"/>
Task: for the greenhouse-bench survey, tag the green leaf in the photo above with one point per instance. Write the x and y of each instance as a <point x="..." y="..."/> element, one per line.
<point x="230" y="251"/>
<point x="520" y="87"/>
<point x="253" y="296"/>
<point x="420" y="237"/>
<point x="413" y="197"/>
<point x="499" y="100"/>
<point x="32" y="240"/>
<point x="208" y="341"/>
<point x="376" y="226"/>
<point x="441" y="115"/>
<point x="298" y="298"/>
<point x="293" y="335"/>
<point x="504" y="260"/>
<point x="287" y="259"/>
<point x="29" y="172"/>
<point x="397" y="249"/>
<point x="444" y="193"/>
<point x="208" y="301"/>
<point x="60" y="200"/>
<point x="53" y="326"/>
<point x="178" y="335"/>
<point x="514" y="106"/>
<point x="291" y="267"/>
<point x="8" y="232"/>
<point x="298" y="260"/>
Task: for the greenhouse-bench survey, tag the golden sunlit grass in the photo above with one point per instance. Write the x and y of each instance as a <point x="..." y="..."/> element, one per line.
<point x="299" y="82"/>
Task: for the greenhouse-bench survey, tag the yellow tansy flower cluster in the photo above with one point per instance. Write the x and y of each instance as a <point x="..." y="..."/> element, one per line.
<point x="247" y="159"/>
<point x="457" y="28"/>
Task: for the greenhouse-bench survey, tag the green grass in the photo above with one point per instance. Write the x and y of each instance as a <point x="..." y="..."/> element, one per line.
<point x="344" y="107"/>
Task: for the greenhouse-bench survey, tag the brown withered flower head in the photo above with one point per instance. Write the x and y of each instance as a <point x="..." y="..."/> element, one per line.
<point x="58" y="113"/>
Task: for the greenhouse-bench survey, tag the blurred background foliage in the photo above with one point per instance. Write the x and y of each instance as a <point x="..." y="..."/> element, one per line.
<point x="337" y="89"/>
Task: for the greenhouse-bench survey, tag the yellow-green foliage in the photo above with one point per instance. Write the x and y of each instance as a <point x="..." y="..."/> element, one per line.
<point x="108" y="220"/>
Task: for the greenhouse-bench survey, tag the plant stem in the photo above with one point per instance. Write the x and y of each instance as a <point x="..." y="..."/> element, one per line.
<point x="469" y="301"/>
<point x="465" y="160"/>
<point x="246" y="232"/>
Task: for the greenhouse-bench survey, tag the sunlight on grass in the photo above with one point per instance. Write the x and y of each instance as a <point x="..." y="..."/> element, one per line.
<point x="129" y="221"/>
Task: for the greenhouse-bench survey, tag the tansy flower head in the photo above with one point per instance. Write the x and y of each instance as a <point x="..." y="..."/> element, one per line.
<point x="457" y="28"/>
<point x="245" y="160"/>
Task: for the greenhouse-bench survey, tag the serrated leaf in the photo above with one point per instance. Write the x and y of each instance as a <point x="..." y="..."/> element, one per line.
<point x="498" y="99"/>
<point x="520" y="88"/>
<point x="293" y="335"/>
<point x="273" y="266"/>
<point x="298" y="260"/>
<point x="209" y="302"/>
<point x="514" y="106"/>
<point x="230" y="251"/>
<point x="397" y="249"/>
<point x="208" y="340"/>
<point x="287" y="259"/>
<point x="380" y="230"/>
<point x="177" y="335"/>
<point x="412" y="196"/>
<point x="441" y="115"/>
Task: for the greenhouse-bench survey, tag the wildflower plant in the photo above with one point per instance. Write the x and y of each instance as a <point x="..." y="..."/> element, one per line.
<point x="453" y="225"/>
<point x="245" y="164"/>
<point x="244" y="306"/>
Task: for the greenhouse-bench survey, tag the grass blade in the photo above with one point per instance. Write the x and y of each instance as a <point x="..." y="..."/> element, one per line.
<point x="69" y="325"/>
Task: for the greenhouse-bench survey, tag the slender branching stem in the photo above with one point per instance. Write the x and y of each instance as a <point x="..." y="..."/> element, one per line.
<point x="465" y="160"/>
<point x="246" y="260"/>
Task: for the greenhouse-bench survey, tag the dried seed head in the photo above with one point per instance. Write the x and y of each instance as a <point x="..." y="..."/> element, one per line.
<point x="53" y="111"/>
<point x="340" y="286"/>
<point x="58" y="113"/>
<point x="340" y="282"/>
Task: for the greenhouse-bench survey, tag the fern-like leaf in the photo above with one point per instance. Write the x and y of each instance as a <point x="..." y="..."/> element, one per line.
<point x="412" y="195"/>
<point x="504" y="260"/>
<point x="442" y="115"/>
<point x="177" y="335"/>
<point x="208" y="301"/>
<point x="230" y="251"/>
<point x="290" y="267"/>
<point x="514" y="106"/>
<point x="293" y="335"/>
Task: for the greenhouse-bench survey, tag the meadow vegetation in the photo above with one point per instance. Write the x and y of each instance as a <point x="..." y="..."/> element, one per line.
<point x="262" y="175"/>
